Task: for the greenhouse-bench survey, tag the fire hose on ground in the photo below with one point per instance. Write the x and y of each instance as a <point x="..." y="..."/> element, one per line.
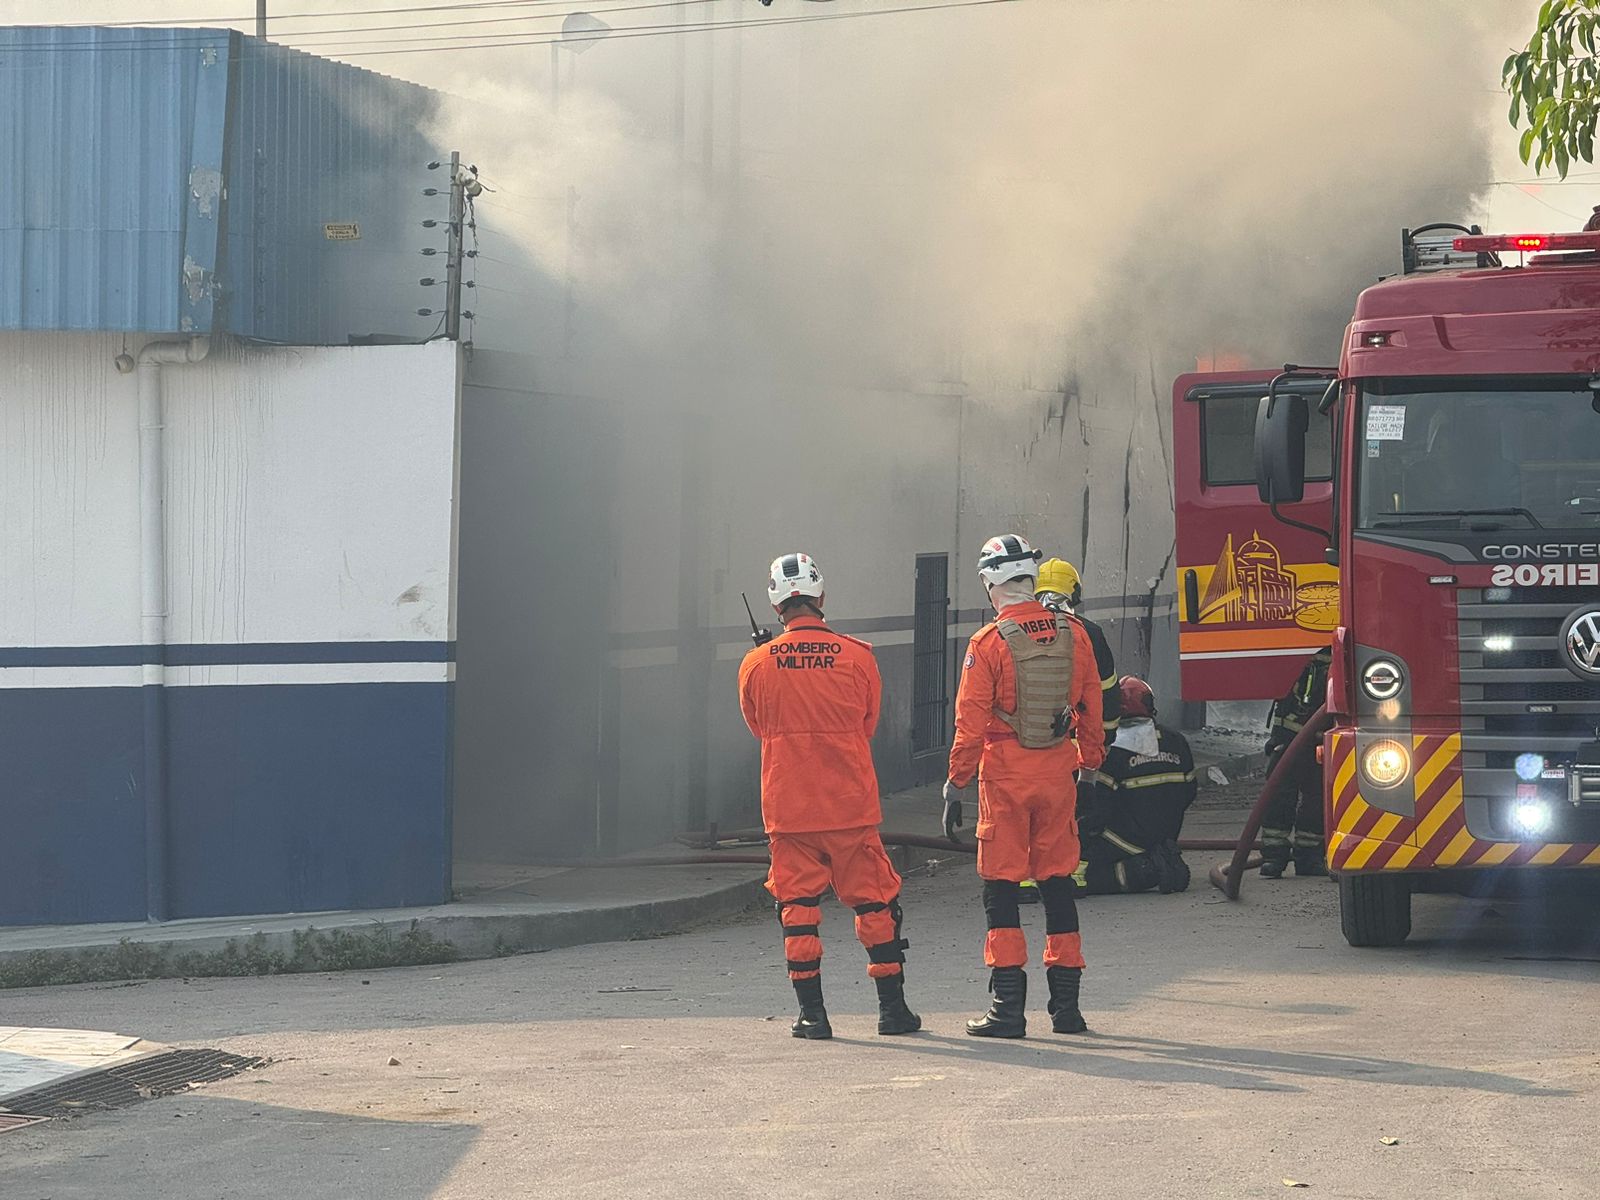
<point x="1227" y="879"/>
<point x="705" y="843"/>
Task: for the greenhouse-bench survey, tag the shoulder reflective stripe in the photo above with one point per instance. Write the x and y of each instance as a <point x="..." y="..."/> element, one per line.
<point x="1109" y="683"/>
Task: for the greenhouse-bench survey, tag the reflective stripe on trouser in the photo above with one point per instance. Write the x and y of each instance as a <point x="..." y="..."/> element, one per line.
<point x="1275" y="843"/>
<point x="1113" y="865"/>
<point x="1304" y="839"/>
<point x="853" y="862"/>
<point x="1005" y="945"/>
<point x="1137" y="873"/>
<point x="802" y="946"/>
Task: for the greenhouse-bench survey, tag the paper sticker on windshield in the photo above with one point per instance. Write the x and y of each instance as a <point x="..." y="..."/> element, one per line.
<point x="1386" y="423"/>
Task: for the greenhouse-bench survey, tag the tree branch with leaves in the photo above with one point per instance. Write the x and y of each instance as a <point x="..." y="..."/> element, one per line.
<point x="1554" y="83"/>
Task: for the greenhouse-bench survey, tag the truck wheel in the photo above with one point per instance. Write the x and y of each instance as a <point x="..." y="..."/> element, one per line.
<point x="1375" y="910"/>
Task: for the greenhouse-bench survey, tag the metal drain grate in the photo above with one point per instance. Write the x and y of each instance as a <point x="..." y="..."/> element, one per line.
<point x="116" y="1087"/>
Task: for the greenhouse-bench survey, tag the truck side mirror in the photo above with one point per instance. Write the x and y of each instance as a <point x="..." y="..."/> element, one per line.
<point x="1281" y="423"/>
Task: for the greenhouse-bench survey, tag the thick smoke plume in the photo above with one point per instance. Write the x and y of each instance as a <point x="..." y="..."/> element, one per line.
<point x="1002" y="193"/>
<point x="999" y="195"/>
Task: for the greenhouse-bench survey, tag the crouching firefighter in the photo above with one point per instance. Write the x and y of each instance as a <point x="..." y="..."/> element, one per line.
<point x="811" y="695"/>
<point x="1028" y="677"/>
<point x="1135" y="803"/>
<point x="1292" y="825"/>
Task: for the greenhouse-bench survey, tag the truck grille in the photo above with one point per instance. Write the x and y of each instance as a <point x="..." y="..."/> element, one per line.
<point x="1516" y="696"/>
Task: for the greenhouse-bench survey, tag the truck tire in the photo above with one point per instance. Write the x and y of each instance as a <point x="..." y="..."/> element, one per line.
<point x="1375" y="910"/>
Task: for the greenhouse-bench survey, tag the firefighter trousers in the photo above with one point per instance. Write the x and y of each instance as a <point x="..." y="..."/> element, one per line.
<point x="1027" y="829"/>
<point x="1292" y="822"/>
<point x="853" y="863"/>
<point x="1113" y="863"/>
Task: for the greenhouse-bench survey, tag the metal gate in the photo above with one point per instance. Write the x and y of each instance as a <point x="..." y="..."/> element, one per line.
<point x="930" y="649"/>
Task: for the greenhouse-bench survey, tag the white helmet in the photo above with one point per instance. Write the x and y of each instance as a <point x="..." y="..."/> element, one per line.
<point x="791" y="576"/>
<point x="1007" y="557"/>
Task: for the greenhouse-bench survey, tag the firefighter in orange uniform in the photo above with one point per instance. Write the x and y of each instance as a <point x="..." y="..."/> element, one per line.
<point x="811" y="696"/>
<point x="1029" y="685"/>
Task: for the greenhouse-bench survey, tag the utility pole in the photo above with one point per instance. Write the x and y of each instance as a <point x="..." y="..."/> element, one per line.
<point x="458" y="216"/>
<point x="261" y="19"/>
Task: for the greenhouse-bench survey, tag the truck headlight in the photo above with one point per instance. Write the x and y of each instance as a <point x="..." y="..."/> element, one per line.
<point x="1382" y="679"/>
<point x="1386" y="763"/>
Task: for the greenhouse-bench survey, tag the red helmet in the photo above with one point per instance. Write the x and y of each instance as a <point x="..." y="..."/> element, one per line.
<point x="1137" y="698"/>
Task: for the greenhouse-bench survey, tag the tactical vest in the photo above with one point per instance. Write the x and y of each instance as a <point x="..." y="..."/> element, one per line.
<point x="1044" y="684"/>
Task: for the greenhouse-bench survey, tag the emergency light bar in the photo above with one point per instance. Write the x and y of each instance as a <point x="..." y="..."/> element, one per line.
<point x="1529" y="241"/>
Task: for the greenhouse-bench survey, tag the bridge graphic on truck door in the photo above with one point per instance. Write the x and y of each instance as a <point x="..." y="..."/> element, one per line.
<point x="1250" y="586"/>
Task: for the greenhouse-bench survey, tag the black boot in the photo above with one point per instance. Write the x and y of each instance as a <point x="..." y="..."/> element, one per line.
<point x="1063" y="1006"/>
<point x="1174" y="872"/>
<point x="813" y="1020"/>
<point x="1275" y="850"/>
<point x="893" y="1015"/>
<point x="1309" y="862"/>
<point x="1006" y="1017"/>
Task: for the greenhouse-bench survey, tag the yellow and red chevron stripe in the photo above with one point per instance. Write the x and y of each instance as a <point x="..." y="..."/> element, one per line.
<point x="1363" y="837"/>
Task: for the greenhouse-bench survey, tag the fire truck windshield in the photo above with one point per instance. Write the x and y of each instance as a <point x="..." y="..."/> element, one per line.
<point x="1478" y="454"/>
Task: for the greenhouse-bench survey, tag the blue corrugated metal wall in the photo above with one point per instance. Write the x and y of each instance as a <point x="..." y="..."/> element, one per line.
<point x="169" y="181"/>
<point x="96" y="138"/>
<point x="315" y="142"/>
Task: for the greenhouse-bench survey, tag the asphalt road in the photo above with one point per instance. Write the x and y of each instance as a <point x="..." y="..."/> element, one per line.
<point x="1234" y="1047"/>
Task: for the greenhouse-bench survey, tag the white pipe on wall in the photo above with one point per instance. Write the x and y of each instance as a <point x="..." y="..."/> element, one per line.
<point x="153" y="602"/>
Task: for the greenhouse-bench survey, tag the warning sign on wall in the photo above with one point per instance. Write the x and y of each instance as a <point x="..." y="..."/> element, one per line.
<point x="341" y="231"/>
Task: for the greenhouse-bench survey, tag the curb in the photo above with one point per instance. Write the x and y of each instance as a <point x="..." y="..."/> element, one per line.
<point x="436" y="938"/>
<point x="477" y="937"/>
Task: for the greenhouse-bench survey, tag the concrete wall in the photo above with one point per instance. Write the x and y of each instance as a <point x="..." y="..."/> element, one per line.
<point x="310" y="526"/>
<point x="604" y="548"/>
<point x="605" y="545"/>
<point x="1084" y="471"/>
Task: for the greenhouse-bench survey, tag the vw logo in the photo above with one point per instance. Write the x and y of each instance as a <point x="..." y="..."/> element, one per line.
<point x="1580" y="638"/>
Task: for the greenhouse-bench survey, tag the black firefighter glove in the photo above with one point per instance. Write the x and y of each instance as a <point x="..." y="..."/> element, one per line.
<point x="952" y="809"/>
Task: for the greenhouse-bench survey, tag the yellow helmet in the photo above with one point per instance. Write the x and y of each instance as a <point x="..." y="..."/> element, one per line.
<point x="1059" y="576"/>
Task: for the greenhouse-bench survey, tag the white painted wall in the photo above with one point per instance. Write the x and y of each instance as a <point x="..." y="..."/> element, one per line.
<point x="309" y="494"/>
<point x="69" y="492"/>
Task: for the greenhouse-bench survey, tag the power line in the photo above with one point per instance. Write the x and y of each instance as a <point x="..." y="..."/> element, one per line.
<point x="302" y="35"/>
<point x="322" y="16"/>
<point x="300" y="39"/>
<point x="632" y="31"/>
<point x="508" y="40"/>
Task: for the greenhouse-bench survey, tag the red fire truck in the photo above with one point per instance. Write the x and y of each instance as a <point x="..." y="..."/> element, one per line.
<point x="1431" y="507"/>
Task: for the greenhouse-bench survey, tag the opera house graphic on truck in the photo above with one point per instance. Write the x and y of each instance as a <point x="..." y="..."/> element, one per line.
<point x="1251" y="586"/>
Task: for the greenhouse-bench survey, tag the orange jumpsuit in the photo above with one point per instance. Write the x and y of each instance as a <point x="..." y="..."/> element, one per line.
<point x="1027" y="799"/>
<point x="811" y="696"/>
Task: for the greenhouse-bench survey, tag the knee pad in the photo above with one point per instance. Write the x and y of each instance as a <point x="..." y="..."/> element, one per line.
<point x="1060" y="910"/>
<point x="1000" y="903"/>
